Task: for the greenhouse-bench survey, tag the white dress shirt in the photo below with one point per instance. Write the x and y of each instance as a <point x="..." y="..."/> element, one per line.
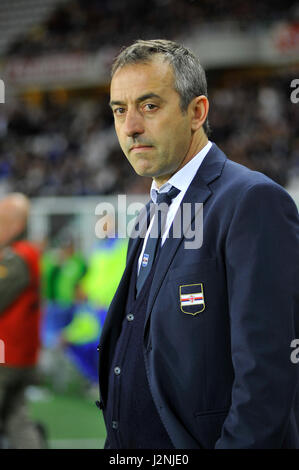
<point x="181" y="180"/>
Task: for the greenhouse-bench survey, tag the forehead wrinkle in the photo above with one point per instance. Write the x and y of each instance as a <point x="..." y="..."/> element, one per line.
<point x="141" y="98"/>
<point x="159" y="74"/>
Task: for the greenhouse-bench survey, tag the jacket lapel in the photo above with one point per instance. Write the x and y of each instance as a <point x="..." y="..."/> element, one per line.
<point x="199" y="192"/>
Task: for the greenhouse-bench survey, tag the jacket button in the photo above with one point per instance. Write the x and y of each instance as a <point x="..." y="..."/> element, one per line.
<point x="117" y="370"/>
<point x="114" y="425"/>
<point x="99" y="404"/>
<point x="130" y="317"/>
<point x="98" y="348"/>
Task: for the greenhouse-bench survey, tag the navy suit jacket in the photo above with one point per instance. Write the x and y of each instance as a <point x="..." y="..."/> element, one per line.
<point x="223" y="377"/>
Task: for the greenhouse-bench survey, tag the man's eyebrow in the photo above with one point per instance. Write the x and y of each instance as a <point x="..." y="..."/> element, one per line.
<point x="113" y="103"/>
<point x="147" y="96"/>
<point x="144" y="97"/>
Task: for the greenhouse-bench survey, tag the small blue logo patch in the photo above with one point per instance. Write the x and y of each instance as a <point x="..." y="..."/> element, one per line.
<point x="145" y="260"/>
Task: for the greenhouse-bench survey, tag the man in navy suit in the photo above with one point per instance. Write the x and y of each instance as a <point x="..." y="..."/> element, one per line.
<point x="195" y="351"/>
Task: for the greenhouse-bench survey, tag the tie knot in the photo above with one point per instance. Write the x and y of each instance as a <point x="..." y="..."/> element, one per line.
<point x="168" y="196"/>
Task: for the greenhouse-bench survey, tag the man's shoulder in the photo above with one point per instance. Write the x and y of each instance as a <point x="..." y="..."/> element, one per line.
<point x="239" y="178"/>
<point x="25" y="246"/>
<point x="221" y="171"/>
<point x="255" y="193"/>
<point x="28" y="252"/>
<point x="237" y="183"/>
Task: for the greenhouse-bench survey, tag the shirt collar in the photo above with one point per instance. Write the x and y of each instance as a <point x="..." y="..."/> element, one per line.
<point x="182" y="178"/>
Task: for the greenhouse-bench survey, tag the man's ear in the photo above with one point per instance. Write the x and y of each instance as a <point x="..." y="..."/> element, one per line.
<point x="199" y="108"/>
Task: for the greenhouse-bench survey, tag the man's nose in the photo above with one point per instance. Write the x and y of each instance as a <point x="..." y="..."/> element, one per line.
<point x="133" y="123"/>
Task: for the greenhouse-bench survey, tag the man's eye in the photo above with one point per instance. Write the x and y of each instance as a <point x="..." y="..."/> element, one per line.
<point x="118" y="111"/>
<point x="150" y="106"/>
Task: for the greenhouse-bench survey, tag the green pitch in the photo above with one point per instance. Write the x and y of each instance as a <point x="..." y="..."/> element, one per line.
<point x="71" y="422"/>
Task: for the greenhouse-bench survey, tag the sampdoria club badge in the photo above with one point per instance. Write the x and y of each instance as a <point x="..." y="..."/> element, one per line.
<point x="192" y="298"/>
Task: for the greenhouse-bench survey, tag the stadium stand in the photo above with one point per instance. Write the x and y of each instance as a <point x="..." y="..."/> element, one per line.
<point x="61" y="142"/>
<point x="17" y="17"/>
<point x="79" y="25"/>
<point x="60" y="149"/>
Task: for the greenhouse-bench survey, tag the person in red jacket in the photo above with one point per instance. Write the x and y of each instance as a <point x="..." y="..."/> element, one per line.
<point x="19" y="322"/>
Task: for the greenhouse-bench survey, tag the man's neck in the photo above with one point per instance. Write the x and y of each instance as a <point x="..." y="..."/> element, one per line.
<point x="197" y="144"/>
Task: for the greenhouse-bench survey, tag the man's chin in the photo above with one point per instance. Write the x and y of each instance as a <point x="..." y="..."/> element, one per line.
<point x="143" y="170"/>
<point x="146" y="173"/>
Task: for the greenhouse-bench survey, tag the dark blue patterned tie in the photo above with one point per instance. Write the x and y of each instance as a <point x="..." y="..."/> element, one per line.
<point x="161" y="208"/>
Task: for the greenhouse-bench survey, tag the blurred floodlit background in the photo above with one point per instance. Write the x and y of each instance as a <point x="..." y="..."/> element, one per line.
<point x="58" y="146"/>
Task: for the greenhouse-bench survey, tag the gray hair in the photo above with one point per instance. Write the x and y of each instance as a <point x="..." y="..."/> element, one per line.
<point x="189" y="75"/>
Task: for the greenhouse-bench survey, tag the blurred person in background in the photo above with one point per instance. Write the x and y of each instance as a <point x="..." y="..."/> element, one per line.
<point x="106" y="263"/>
<point x="72" y="267"/>
<point x="79" y="337"/>
<point x="195" y="349"/>
<point x="61" y="270"/>
<point x="94" y="293"/>
<point x="19" y="323"/>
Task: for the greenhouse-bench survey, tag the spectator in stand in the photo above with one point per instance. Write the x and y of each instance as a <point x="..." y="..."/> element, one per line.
<point x="72" y="149"/>
<point x="19" y="323"/>
<point x="80" y="26"/>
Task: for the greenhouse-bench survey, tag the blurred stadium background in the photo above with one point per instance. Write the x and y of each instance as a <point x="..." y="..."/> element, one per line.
<point x="57" y="146"/>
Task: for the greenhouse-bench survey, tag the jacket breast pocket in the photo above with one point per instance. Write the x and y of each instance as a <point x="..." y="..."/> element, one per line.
<point x="209" y="426"/>
<point x="193" y="271"/>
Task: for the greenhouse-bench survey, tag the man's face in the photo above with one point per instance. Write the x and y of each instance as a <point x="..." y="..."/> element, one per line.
<point x="152" y="131"/>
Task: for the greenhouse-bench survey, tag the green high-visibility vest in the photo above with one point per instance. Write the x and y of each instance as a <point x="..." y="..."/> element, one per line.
<point x="105" y="269"/>
<point x="50" y="267"/>
<point x="70" y="273"/>
<point x="84" y="328"/>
